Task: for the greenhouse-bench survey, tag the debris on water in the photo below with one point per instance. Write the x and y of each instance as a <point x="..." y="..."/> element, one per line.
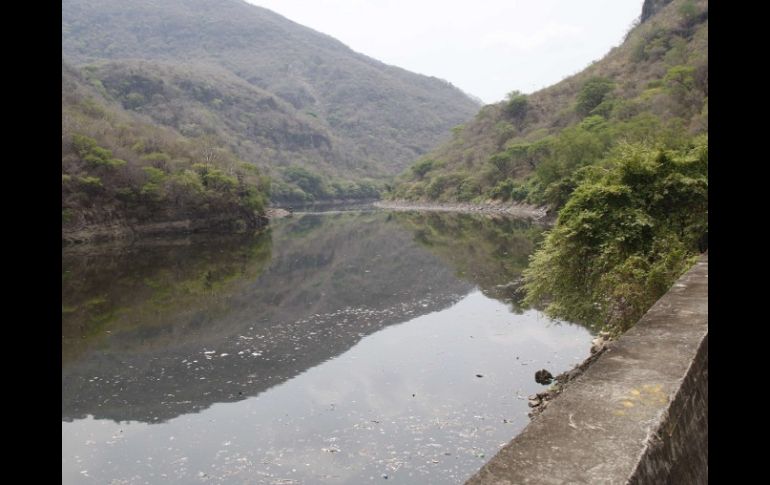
<point x="543" y="377"/>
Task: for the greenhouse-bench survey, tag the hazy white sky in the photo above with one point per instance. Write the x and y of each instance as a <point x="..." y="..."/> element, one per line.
<point x="487" y="48"/>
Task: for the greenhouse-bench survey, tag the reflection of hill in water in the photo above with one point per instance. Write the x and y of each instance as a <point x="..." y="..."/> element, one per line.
<point x="489" y="251"/>
<point x="152" y="333"/>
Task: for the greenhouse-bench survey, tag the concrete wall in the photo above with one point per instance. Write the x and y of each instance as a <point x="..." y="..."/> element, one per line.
<point x="638" y="415"/>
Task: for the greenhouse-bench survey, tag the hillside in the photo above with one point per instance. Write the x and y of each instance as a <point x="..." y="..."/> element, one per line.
<point x="314" y="114"/>
<point x="619" y="150"/>
<point x="652" y="88"/>
<point x="122" y="174"/>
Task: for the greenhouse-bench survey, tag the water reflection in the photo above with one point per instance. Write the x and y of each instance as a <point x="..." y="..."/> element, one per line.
<point x="154" y="293"/>
<point x="489" y="251"/>
<point x="334" y="348"/>
<point x="153" y="332"/>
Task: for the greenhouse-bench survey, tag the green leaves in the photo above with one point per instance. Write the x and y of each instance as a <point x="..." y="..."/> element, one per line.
<point x="592" y="94"/>
<point x="624" y="236"/>
<point x="517" y="105"/>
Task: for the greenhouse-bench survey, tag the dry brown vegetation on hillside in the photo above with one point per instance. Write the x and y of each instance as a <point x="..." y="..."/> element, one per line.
<point x="652" y="88"/>
<point x="280" y="95"/>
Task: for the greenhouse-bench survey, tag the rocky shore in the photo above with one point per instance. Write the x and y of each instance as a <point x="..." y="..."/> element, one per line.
<point x="538" y="402"/>
<point x="512" y="209"/>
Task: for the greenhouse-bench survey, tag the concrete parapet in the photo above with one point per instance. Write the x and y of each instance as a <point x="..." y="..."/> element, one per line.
<point x="638" y="415"/>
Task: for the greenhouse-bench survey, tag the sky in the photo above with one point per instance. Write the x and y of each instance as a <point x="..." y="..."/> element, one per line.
<point x="487" y="48"/>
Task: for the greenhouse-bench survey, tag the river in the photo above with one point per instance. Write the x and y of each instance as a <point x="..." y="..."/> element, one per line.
<point x="342" y="347"/>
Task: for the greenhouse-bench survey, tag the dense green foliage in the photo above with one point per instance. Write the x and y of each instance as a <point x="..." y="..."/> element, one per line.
<point x="628" y="231"/>
<point x="120" y="169"/>
<point x="517" y="105"/>
<point x="592" y="94"/>
<point x="275" y="93"/>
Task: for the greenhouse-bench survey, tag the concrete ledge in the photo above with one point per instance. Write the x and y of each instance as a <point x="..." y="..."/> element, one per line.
<point x="638" y="415"/>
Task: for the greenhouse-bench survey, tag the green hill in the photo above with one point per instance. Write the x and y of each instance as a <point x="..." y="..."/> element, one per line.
<point x="122" y="174"/>
<point x="620" y="150"/>
<point x="322" y="120"/>
<point x="652" y="88"/>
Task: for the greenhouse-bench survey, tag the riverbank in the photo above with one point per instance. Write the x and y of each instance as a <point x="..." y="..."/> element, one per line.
<point x="538" y="402"/>
<point x="120" y="229"/>
<point x="637" y="414"/>
<point x="512" y="209"/>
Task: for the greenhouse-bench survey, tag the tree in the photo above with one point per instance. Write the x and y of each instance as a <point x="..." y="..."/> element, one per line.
<point x="592" y="94"/>
<point x="422" y="167"/>
<point x="517" y="106"/>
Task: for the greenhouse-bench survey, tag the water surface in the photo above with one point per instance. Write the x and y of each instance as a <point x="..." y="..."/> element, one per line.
<point x="332" y="348"/>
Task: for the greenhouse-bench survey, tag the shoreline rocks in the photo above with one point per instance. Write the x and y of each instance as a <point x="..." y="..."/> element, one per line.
<point x="538" y="402"/>
<point x="516" y="209"/>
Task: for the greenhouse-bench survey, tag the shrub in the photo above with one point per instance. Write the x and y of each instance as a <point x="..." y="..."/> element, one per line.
<point x="436" y="186"/>
<point x="592" y="94"/>
<point x="216" y="179"/>
<point x="422" y="167"/>
<point x="517" y="105"/>
<point x="624" y="236"/>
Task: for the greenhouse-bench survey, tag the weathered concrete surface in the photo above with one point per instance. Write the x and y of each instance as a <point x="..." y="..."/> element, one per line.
<point x="638" y="415"/>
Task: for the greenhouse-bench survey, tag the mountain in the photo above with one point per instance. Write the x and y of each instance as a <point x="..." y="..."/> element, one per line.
<point x="652" y="88"/>
<point x="317" y="116"/>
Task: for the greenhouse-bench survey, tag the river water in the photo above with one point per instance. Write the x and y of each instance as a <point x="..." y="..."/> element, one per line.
<point x="342" y="347"/>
